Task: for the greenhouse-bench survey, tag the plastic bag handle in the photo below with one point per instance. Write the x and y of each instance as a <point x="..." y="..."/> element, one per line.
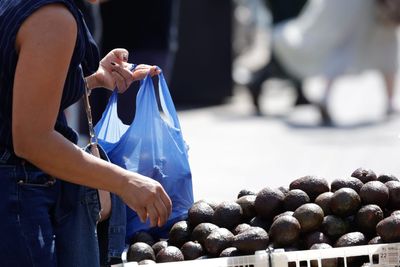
<point x="110" y="111"/>
<point x="148" y="100"/>
<point x="167" y="105"/>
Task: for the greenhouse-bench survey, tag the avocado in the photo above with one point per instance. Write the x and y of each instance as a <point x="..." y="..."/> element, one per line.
<point x="368" y="217"/>
<point x="289" y="212"/>
<point x="364" y="175"/>
<point x="350" y="182"/>
<point x="312" y="185"/>
<point x="310" y="217"/>
<point x="294" y="199"/>
<point x="375" y="240"/>
<point x="384" y="178"/>
<point x="284" y="190"/>
<point x="316" y="237"/>
<point x="140" y="251"/>
<point x="248" y="207"/>
<point x="201" y="231"/>
<point x="240" y="228"/>
<point x="228" y="214"/>
<point x="351" y="221"/>
<point x="334" y="226"/>
<point x="284" y="231"/>
<point x="245" y="192"/>
<point x="251" y="240"/>
<point x="389" y="229"/>
<point x="329" y="262"/>
<point x="324" y="201"/>
<point x="159" y="246"/>
<point x="374" y="192"/>
<point x="204" y="257"/>
<point x="230" y="252"/>
<point x="200" y="212"/>
<point x="146" y="262"/>
<point x="169" y="254"/>
<point x="351" y="239"/>
<point x="268" y="203"/>
<point x="213" y="203"/>
<point x="179" y="234"/>
<point x="296" y="246"/>
<point x="259" y="222"/>
<point x="218" y="240"/>
<point x="143" y="236"/>
<point x="395" y="213"/>
<point x="394" y="194"/>
<point x="192" y="250"/>
<point x="345" y="202"/>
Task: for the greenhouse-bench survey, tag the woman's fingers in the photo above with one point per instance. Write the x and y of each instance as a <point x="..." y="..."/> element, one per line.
<point x="158" y="212"/>
<point x="153" y="215"/>
<point x="150" y="202"/>
<point x="123" y="70"/>
<point x="155" y="70"/>
<point x="142" y="213"/>
<point x="121" y="53"/>
<point x="142" y="70"/>
<point x="162" y="211"/>
<point x="119" y="81"/>
<point x="166" y="201"/>
<point x="124" y="77"/>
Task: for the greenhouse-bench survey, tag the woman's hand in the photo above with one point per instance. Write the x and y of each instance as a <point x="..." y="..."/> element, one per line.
<point x="148" y="198"/>
<point x="115" y="71"/>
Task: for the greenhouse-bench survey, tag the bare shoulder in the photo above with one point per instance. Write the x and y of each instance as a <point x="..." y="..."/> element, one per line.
<point x="48" y="23"/>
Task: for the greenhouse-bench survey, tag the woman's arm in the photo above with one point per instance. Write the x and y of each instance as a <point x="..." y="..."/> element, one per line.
<point x="45" y="44"/>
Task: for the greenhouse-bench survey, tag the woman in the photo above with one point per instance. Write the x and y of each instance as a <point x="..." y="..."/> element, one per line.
<point x="333" y="38"/>
<point x="47" y="56"/>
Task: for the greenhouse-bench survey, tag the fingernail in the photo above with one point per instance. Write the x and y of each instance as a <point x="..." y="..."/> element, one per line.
<point x="113" y="63"/>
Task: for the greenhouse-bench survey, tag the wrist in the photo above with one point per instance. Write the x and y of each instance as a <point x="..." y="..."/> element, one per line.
<point x="122" y="183"/>
<point x="91" y="82"/>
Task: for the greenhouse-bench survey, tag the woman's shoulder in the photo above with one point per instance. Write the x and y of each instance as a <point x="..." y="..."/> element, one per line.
<point x="17" y="11"/>
<point x="50" y="18"/>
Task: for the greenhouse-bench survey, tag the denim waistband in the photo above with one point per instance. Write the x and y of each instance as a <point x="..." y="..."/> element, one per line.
<point x="8" y="157"/>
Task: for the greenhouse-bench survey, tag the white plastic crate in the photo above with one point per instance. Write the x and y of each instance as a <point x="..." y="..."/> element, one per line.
<point x="380" y="255"/>
<point x="259" y="259"/>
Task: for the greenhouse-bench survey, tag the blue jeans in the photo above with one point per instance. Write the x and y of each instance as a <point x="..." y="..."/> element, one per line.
<point x="44" y="221"/>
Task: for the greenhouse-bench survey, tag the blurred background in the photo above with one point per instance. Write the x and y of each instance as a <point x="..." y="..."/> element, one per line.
<point x="267" y="91"/>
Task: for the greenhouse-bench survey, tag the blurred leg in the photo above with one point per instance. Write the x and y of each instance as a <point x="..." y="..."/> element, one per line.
<point x="389" y="79"/>
<point x="323" y="105"/>
<point x="274" y="70"/>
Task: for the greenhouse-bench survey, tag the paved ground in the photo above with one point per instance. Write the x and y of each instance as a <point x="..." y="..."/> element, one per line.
<point x="230" y="149"/>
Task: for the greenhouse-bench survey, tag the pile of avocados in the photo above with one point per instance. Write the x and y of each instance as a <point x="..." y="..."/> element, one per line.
<point x="308" y="214"/>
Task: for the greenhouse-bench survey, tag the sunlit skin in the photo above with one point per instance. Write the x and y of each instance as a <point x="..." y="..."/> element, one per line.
<point x="43" y="62"/>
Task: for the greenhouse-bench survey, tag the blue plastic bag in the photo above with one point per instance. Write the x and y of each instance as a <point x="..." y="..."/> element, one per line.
<point x="152" y="146"/>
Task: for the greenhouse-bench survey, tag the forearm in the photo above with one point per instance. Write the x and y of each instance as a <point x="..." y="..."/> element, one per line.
<point x="57" y="156"/>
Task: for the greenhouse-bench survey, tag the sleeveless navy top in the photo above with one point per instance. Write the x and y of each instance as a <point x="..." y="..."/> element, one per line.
<point x="85" y="58"/>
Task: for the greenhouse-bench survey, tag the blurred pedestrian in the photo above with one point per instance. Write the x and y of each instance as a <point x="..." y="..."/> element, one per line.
<point x="48" y="59"/>
<point x="280" y="11"/>
<point x="332" y="38"/>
